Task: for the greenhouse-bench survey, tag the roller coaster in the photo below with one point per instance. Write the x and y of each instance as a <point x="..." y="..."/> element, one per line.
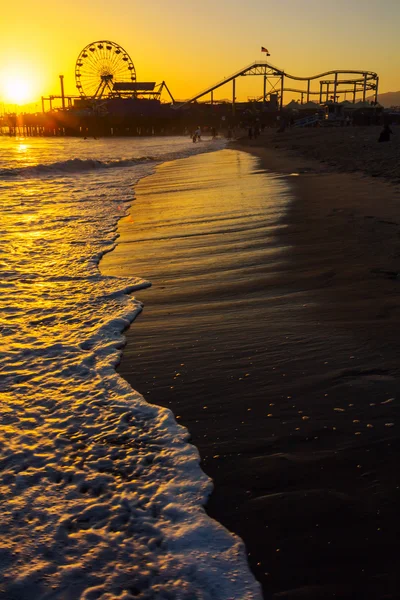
<point x="332" y="84"/>
<point x="104" y="71"/>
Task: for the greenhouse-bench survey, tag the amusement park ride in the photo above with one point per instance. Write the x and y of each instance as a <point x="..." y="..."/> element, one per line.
<point x="105" y="71"/>
<point x="331" y="84"/>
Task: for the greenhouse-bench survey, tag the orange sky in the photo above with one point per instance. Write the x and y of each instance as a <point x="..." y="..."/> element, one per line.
<point x="192" y="45"/>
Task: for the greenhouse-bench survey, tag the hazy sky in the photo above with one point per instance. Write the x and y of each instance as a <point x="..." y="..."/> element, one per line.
<point x="194" y="43"/>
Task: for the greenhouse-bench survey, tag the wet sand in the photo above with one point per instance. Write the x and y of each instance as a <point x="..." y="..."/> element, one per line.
<point x="285" y="372"/>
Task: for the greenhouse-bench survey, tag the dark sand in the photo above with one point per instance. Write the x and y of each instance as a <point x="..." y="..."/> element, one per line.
<point x="289" y="386"/>
<point x="349" y="149"/>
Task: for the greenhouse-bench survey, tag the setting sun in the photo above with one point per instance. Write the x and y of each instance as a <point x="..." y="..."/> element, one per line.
<point x="17" y="90"/>
<point x="19" y="83"/>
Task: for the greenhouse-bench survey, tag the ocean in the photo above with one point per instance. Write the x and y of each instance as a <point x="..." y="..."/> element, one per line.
<point x="102" y="494"/>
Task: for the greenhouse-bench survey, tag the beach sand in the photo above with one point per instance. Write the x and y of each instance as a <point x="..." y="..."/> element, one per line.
<point x="350" y="149"/>
<point x="285" y="372"/>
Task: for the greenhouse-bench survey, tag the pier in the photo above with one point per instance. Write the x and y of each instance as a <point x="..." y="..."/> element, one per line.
<point x="111" y="101"/>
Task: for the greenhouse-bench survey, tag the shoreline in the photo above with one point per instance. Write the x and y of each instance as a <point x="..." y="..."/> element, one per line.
<point x="337" y="310"/>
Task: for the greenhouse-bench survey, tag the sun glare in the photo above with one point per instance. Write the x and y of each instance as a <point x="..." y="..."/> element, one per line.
<point x="17" y="90"/>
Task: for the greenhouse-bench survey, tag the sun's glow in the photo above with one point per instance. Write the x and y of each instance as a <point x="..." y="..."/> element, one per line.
<point x="20" y="83"/>
<point x="17" y="90"/>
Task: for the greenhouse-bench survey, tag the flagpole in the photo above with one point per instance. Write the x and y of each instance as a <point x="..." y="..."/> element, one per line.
<point x="263" y="49"/>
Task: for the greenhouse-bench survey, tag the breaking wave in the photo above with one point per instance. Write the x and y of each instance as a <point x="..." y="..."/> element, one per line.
<point x="73" y="165"/>
<point x="101" y="493"/>
<point x="85" y="164"/>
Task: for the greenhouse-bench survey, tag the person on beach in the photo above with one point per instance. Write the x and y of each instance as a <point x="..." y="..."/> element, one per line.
<point x="385" y="134"/>
<point x="196" y="135"/>
<point x="282" y="126"/>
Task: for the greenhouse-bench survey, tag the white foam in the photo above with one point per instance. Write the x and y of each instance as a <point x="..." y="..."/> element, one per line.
<point x="94" y="155"/>
<point x="102" y="496"/>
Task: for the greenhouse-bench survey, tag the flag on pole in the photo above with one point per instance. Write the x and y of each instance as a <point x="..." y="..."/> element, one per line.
<point x="265" y="50"/>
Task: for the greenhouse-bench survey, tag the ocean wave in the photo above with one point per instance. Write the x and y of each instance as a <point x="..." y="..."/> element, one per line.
<point x="103" y="495"/>
<point x="72" y="165"/>
<point x="94" y="479"/>
<point x="82" y="165"/>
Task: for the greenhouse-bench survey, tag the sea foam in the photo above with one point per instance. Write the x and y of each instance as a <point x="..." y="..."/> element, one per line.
<point x="102" y="495"/>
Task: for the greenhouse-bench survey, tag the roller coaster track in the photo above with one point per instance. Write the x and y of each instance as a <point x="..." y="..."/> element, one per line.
<point x="370" y="75"/>
<point x="267" y="69"/>
<point x="245" y="71"/>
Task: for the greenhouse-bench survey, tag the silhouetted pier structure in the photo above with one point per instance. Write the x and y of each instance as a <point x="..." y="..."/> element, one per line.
<point x="330" y="84"/>
<point x="110" y="100"/>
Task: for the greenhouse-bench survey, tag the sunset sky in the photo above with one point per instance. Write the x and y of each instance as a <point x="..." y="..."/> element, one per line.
<point x="193" y="44"/>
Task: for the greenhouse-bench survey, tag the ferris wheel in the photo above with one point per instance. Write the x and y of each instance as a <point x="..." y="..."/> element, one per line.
<point x="101" y="65"/>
